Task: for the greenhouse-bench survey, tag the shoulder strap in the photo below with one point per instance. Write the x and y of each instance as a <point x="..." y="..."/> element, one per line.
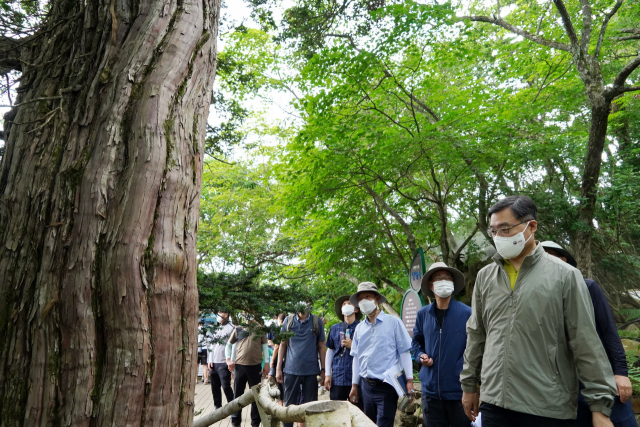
<point x="316" y="328"/>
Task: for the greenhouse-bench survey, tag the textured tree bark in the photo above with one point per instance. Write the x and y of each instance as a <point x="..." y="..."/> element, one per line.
<point x="600" y="109"/>
<point x="99" y="201"/>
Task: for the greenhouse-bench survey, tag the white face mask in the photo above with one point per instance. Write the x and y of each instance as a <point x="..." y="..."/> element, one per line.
<point x="443" y="288"/>
<point x="511" y="247"/>
<point x="367" y="306"/>
<point x="348" y="310"/>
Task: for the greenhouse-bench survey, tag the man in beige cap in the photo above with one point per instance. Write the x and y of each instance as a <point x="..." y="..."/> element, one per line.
<point x="380" y="342"/>
<point x="439" y="340"/>
<point x="339" y="361"/>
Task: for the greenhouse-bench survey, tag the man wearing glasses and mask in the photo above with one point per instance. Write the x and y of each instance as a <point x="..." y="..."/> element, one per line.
<point x="531" y="334"/>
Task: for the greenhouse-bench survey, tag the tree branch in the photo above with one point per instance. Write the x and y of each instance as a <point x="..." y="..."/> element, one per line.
<point x="603" y="28"/>
<point x="527" y="35"/>
<point x="411" y="239"/>
<point x="618" y="82"/>
<point x="566" y="20"/>
<point x="466" y="242"/>
<point x="587" y="24"/>
<point x="393" y="284"/>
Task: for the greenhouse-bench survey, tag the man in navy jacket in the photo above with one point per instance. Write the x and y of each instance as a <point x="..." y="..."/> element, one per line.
<point x="439" y="340"/>
<point x="622" y="413"/>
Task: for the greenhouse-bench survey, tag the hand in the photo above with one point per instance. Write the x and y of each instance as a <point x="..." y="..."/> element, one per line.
<point x="231" y="366"/>
<point x="210" y="366"/>
<point x="353" y="394"/>
<point x="624" y="388"/>
<point x="600" y="420"/>
<point x="346" y="342"/>
<point x="265" y="370"/>
<point x="327" y="382"/>
<point x="279" y="375"/>
<point x="470" y="403"/>
<point x="426" y="360"/>
<point x="410" y="388"/>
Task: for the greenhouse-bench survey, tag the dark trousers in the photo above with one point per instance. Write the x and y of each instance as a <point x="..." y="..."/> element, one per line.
<point x="246" y="374"/>
<point x="380" y="402"/>
<point x="341" y="392"/>
<point x="292" y="385"/>
<point x="220" y="377"/>
<point x="443" y="413"/>
<point x="495" y="416"/>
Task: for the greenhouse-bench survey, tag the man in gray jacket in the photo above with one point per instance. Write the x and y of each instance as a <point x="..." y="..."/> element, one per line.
<point x="531" y="334"/>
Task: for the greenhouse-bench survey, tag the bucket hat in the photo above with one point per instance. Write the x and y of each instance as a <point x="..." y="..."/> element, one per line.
<point x="366" y="287"/>
<point x="338" y="308"/>
<point x="560" y="251"/>
<point x="458" y="278"/>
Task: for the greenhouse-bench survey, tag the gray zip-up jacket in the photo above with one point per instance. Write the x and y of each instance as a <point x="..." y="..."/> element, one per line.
<point x="528" y="347"/>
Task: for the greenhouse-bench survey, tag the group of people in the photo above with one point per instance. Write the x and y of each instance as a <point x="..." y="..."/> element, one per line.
<point x="538" y="346"/>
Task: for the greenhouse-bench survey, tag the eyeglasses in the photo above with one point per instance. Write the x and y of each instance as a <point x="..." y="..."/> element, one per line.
<point x="504" y="231"/>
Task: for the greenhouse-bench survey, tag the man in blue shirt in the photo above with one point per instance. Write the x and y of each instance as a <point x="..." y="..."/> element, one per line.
<point x="380" y="342"/>
<point x="439" y="340"/>
<point x="621" y="413"/>
<point x="339" y="359"/>
<point x="301" y="352"/>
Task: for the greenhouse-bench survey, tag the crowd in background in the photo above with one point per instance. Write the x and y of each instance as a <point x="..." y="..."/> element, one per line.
<point x="538" y="346"/>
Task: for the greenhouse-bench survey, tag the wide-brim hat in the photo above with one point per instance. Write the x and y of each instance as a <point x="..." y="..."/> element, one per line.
<point x="560" y="251"/>
<point x="458" y="278"/>
<point x="338" y="308"/>
<point x="365" y="287"/>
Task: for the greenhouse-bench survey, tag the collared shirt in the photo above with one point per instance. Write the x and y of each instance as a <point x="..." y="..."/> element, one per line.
<point x="342" y="358"/>
<point x="302" y="348"/>
<point x="378" y="346"/>
<point x="511" y="272"/>
<point x="216" y="349"/>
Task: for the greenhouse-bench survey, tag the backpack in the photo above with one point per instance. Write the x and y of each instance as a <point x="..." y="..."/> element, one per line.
<point x="315" y="319"/>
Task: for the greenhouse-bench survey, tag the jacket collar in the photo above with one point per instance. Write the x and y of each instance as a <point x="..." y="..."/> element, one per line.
<point x="452" y="306"/>
<point x="529" y="260"/>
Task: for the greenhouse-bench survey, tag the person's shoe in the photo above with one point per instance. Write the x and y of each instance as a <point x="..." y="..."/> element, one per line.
<point x="216" y="407"/>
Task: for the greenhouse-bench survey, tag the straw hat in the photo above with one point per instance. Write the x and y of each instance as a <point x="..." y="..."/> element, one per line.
<point x="366" y="287"/>
<point x="338" y="308"/>
<point x="458" y="278"/>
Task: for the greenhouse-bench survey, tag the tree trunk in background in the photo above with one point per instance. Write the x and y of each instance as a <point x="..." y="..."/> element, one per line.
<point x="600" y="108"/>
<point x="99" y="202"/>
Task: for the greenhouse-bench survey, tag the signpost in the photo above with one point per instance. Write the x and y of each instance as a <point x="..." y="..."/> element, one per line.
<point x="417" y="270"/>
<point x="411" y="303"/>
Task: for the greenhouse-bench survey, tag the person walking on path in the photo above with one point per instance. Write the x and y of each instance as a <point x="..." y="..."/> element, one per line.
<point x="531" y="334"/>
<point x="248" y="351"/>
<point x="219" y="374"/>
<point x="339" y="361"/>
<point x="202" y="352"/>
<point x="439" y="340"/>
<point x="621" y="413"/>
<point x="380" y="342"/>
<point x="279" y="320"/>
<point x="301" y="351"/>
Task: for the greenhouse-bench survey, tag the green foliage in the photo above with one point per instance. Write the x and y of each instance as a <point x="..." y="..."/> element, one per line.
<point x="408" y="125"/>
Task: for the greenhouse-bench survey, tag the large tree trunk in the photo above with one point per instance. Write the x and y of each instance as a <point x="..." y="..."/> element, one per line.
<point x="99" y="200"/>
<point x="600" y="108"/>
